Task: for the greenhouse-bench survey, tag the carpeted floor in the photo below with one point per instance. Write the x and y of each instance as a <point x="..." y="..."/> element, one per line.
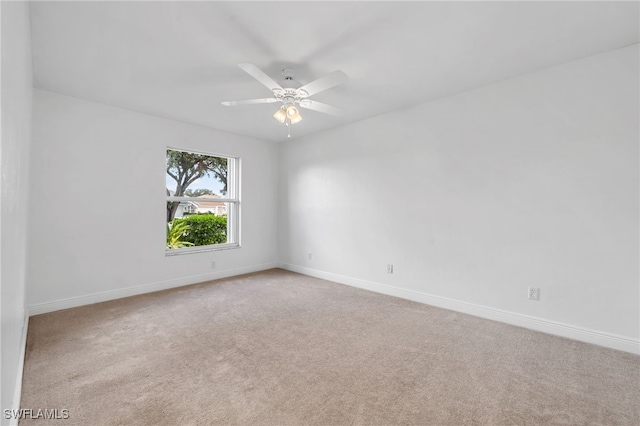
<point x="279" y="348"/>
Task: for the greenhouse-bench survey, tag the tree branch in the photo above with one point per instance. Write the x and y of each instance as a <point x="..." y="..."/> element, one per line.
<point x="172" y="175"/>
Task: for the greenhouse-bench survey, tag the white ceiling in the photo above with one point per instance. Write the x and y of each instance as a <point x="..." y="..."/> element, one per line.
<point x="179" y="59"/>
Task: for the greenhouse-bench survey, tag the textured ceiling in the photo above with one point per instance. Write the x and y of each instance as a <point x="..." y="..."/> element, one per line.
<point x="179" y="59"/>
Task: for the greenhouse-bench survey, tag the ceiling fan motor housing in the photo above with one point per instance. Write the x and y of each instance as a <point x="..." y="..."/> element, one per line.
<point x="290" y="92"/>
<point x="290" y="95"/>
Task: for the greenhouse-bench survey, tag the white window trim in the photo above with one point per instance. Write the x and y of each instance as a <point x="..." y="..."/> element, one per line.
<point x="233" y="208"/>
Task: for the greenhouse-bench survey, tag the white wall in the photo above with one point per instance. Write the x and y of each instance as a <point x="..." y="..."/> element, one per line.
<point x="16" y="135"/>
<point x="475" y="197"/>
<point x="92" y="167"/>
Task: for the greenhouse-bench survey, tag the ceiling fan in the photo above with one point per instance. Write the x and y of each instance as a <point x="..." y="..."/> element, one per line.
<point x="292" y="94"/>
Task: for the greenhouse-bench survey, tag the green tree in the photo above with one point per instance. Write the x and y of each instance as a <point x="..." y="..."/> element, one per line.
<point x="186" y="167"/>
<point x="198" y="192"/>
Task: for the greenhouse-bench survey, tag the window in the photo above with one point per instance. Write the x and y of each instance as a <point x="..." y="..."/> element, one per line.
<point x="189" y="207"/>
<point x="203" y="203"/>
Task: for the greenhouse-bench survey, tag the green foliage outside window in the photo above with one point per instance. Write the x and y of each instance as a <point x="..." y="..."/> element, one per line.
<point x="175" y="235"/>
<point x="202" y="229"/>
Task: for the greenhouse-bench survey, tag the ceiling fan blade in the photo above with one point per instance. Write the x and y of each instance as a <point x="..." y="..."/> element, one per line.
<point x="250" y="101"/>
<point x="320" y="107"/>
<point x="259" y="75"/>
<point x="324" y="83"/>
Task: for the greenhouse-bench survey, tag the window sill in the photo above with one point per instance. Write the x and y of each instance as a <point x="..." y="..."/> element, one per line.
<point x="200" y="249"/>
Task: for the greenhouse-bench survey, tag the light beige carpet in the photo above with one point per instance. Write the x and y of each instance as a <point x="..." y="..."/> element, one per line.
<point x="278" y="348"/>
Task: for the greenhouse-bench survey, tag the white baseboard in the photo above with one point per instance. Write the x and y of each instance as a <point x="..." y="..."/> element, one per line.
<point x="43" y="308"/>
<point x="551" y="327"/>
<point x="17" y="393"/>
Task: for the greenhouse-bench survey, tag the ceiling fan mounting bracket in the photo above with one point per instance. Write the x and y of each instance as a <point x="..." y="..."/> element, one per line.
<point x="288" y="73"/>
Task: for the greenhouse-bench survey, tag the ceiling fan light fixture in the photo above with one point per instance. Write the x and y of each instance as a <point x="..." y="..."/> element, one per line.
<point x="293" y="114"/>
<point x="296" y="119"/>
<point x="281" y="114"/>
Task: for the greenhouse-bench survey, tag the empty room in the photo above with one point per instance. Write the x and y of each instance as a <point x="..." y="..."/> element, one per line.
<point x="320" y="213"/>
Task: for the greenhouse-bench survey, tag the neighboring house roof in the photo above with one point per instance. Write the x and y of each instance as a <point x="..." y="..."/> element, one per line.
<point x="189" y="203"/>
<point x="205" y="202"/>
<point x="209" y="202"/>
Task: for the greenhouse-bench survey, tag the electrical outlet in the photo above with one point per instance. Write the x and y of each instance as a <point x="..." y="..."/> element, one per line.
<point x="213" y="264"/>
<point x="390" y="269"/>
<point x="534" y="293"/>
<point x="309" y="256"/>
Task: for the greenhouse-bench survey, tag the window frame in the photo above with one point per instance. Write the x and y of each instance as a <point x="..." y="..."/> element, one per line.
<point x="232" y="201"/>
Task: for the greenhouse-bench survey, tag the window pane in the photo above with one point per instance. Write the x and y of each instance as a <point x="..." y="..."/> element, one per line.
<point x="204" y="218"/>
<point x="194" y="175"/>
<point x="199" y="229"/>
